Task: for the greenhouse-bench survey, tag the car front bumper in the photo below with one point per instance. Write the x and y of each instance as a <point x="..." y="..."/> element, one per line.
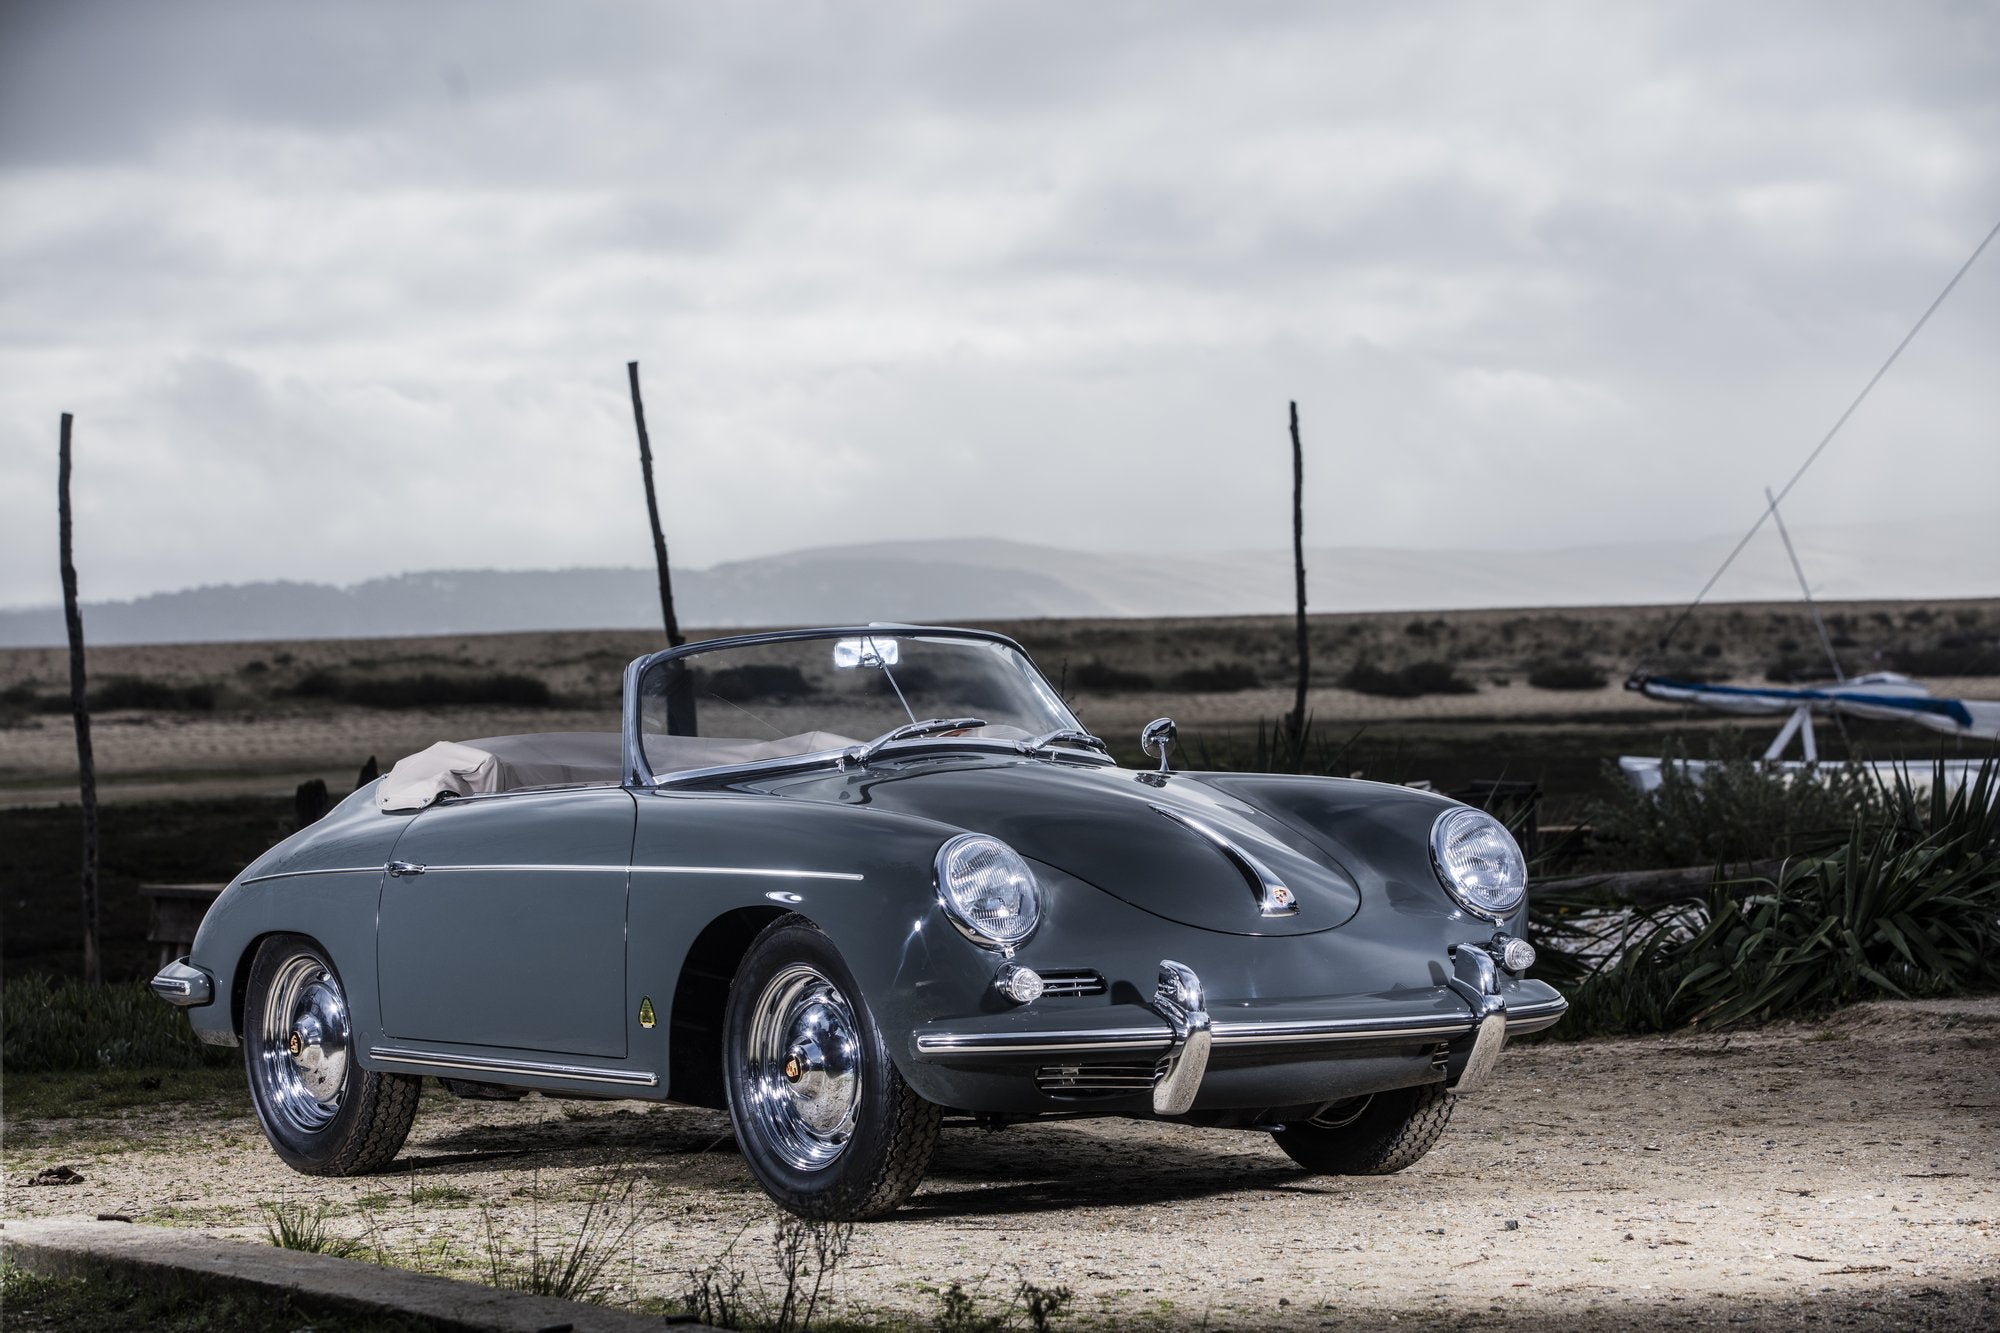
<point x="1183" y="1052"/>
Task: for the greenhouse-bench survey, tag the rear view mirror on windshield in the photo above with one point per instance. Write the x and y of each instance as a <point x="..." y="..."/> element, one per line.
<point x="851" y="653"/>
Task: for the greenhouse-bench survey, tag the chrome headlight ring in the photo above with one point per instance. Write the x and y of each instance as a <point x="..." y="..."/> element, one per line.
<point x="1479" y="863"/>
<point x="988" y="891"/>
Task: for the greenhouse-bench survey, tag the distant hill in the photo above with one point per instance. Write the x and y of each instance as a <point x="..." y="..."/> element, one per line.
<point x="991" y="579"/>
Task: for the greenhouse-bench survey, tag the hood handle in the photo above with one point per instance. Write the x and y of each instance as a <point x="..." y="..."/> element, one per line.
<point x="1274" y="898"/>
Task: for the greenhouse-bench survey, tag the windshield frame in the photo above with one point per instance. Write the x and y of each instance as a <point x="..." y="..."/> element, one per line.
<point x="638" y="773"/>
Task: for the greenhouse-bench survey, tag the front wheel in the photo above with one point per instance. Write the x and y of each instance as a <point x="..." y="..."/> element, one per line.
<point x="323" y="1113"/>
<point x="1369" y="1136"/>
<point x="826" y="1123"/>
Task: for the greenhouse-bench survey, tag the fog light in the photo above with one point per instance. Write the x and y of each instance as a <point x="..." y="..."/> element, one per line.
<point x="1516" y="954"/>
<point x="1022" y="985"/>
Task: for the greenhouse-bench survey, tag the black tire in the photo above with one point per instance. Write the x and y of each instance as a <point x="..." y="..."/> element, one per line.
<point x="825" y="1121"/>
<point x="1369" y="1136"/>
<point x="323" y="1113"/>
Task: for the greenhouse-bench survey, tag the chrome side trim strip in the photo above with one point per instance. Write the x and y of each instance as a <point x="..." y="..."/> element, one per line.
<point x="483" y="1065"/>
<point x="1032" y="1043"/>
<point x="1340" y="1029"/>
<point x="1415" y="1027"/>
<point x="329" y="870"/>
<point x="766" y="872"/>
<point x="1534" y="1017"/>
<point x="772" y="872"/>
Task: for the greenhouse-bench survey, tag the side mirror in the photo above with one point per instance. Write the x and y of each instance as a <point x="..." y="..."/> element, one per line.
<point x="1157" y="739"/>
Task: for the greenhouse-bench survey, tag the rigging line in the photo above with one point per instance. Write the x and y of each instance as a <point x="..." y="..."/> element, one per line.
<point x="1819" y="623"/>
<point x="1825" y="440"/>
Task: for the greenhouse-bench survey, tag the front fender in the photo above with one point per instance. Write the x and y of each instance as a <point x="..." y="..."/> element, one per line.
<point x="324" y="881"/>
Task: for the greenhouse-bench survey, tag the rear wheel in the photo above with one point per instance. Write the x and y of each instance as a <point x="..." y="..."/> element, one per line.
<point x="826" y="1123"/>
<point x="1373" y="1135"/>
<point x="323" y="1113"/>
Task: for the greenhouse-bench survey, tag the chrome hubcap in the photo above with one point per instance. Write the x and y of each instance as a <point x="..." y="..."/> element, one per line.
<point x="804" y="1061"/>
<point x="303" y="1044"/>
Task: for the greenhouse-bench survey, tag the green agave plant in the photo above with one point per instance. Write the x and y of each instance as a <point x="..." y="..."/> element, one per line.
<point x="1908" y="907"/>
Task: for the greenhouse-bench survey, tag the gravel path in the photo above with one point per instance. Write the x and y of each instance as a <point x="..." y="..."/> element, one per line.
<point x="1841" y="1173"/>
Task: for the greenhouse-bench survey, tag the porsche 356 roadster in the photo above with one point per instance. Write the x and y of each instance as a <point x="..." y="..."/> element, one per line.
<point x="853" y="885"/>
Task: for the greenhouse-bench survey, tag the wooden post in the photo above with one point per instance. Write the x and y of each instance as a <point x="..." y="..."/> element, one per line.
<point x="1296" y="721"/>
<point x="79" y="706"/>
<point x="674" y="639"/>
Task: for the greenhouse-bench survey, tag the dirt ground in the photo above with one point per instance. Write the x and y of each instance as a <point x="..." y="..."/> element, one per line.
<point x="1838" y="1173"/>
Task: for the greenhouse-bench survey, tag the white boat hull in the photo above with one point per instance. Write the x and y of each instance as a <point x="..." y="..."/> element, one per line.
<point x="1646" y="774"/>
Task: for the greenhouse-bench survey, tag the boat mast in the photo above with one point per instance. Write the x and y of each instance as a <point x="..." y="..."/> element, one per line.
<point x="1825" y="640"/>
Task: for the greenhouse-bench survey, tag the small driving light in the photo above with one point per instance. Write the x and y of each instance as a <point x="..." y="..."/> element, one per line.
<point x="1022" y="985"/>
<point x="1516" y="954"/>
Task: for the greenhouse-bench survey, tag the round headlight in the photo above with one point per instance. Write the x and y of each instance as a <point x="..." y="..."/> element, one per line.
<point x="987" y="890"/>
<point x="1479" y="861"/>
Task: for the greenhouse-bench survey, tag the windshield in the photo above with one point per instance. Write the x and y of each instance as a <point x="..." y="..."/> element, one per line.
<point x="774" y="700"/>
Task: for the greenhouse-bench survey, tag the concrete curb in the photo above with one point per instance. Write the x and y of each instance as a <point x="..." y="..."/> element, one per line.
<point x="64" y="1247"/>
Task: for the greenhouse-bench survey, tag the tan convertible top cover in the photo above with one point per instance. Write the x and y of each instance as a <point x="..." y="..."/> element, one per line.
<point x="568" y="759"/>
<point x="500" y="763"/>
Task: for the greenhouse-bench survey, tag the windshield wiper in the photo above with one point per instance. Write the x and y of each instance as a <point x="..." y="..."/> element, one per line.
<point x="1047" y="742"/>
<point x="930" y="726"/>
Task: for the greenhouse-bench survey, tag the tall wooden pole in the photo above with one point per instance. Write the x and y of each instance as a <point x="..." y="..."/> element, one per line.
<point x="79" y="706"/>
<point x="1297" y="720"/>
<point x="674" y="638"/>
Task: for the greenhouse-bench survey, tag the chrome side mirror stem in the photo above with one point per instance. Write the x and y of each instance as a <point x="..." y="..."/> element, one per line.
<point x="1157" y="739"/>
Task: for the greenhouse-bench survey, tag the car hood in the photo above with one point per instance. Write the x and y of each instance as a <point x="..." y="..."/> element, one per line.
<point x="1113" y="829"/>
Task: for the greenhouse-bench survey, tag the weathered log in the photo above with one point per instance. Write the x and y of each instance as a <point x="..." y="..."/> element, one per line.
<point x="1651" y="888"/>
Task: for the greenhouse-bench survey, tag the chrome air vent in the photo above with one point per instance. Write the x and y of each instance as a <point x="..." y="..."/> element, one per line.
<point x="1072" y="981"/>
<point x="1099" y="1080"/>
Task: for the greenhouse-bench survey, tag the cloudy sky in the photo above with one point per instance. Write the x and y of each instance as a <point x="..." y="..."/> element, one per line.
<point x="344" y="290"/>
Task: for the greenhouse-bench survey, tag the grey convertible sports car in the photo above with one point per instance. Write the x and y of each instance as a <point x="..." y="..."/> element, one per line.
<point x="855" y="884"/>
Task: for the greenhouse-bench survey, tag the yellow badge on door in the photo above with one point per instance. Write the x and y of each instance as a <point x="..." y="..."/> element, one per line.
<point x="646" y="1018"/>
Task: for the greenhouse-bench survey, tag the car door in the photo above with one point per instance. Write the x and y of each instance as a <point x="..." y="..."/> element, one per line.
<point x="503" y="923"/>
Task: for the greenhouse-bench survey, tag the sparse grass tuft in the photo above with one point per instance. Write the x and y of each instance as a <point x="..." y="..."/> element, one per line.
<point x="1101" y="678"/>
<point x="1408" y="682"/>
<point x="293" y="1226"/>
<point x="427" y="690"/>
<point x="1217" y="678"/>
<point x="574" y="1264"/>
<point x="1567" y="675"/>
<point x="53" y="1025"/>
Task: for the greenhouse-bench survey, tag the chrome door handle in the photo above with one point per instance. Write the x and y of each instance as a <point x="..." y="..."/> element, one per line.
<point x="398" y="869"/>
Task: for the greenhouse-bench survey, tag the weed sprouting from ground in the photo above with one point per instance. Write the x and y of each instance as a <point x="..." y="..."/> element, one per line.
<point x="805" y="1256"/>
<point x="960" y="1311"/>
<point x="294" y="1226"/>
<point x="573" y="1262"/>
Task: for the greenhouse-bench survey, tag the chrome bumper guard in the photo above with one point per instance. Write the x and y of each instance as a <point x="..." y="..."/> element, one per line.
<point x="1179" y="1000"/>
<point x="183" y="985"/>
<point x="1476" y="976"/>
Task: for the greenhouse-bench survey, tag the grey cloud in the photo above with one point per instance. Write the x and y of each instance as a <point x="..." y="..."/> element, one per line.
<point x="1538" y="274"/>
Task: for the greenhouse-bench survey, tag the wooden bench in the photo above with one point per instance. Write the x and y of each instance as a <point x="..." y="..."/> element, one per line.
<point x="174" y="914"/>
